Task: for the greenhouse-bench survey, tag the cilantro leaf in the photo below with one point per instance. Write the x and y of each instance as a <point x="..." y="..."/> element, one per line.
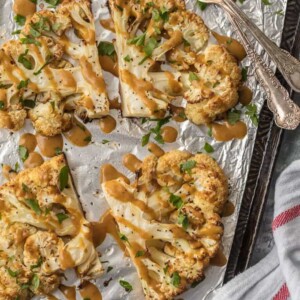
<point x="34" y="205"/>
<point x="187" y="166"/>
<point x="23" y="153"/>
<point x="126" y="285"/>
<point x="106" y="48"/>
<point x="208" y="148"/>
<point x="63" y="178"/>
<point x="176" y="201"/>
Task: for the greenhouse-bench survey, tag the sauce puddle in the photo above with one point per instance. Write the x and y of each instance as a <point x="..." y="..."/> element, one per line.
<point x="114" y="104"/>
<point x="33" y="160"/>
<point x="49" y="145"/>
<point x="88" y="290"/>
<point x="68" y="291"/>
<point x="178" y="113"/>
<point x="108" y="24"/>
<point x="226" y="132"/>
<point x="219" y="260"/>
<point x="155" y="149"/>
<point x="25" y="8"/>
<point x="109" y="64"/>
<point x="169" y="134"/>
<point x="29" y="141"/>
<point x="245" y="95"/>
<point x="131" y="162"/>
<point x="228" y="209"/>
<point x="78" y="135"/>
<point x="233" y="46"/>
<point x="107" y="124"/>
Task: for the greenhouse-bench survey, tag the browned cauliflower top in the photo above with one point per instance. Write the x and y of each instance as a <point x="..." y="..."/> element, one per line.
<point x="170" y="218"/>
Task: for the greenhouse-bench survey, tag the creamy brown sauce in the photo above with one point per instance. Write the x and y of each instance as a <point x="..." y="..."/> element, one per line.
<point x="95" y="80"/>
<point x="66" y="260"/>
<point x="178" y="113"/>
<point x="119" y="192"/>
<point x="108" y="24"/>
<point x="245" y="95"/>
<point x="228" y="209"/>
<point x="51" y="297"/>
<point x="24" y="8"/>
<point x="106" y="225"/>
<point x="140" y="87"/>
<point x="78" y="135"/>
<point x="226" y="132"/>
<point x="33" y="160"/>
<point x="66" y="79"/>
<point x="219" y="259"/>
<point x="29" y="141"/>
<point x="114" y="104"/>
<point x="155" y="149"/>
<point x="131" y="162"/>
<point x="48" y="145"/>
<point x="233" y="46"/>
<point x="174" y="84"/>
<point x="169" y="134"/>
<point x="107" y="124"/>
<point x="142" y="233"/>
<point x="90" y="291"/>
<point x="109" y="64"/>
<point x="108" y="172"/>
<point x="68" y="291"/>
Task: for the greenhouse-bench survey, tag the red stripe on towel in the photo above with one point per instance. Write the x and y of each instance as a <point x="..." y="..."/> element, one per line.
<point x="286" y="217"/>
<point x="283" y="293"/>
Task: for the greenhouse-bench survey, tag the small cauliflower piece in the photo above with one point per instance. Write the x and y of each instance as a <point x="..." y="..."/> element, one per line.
<point x="171" y="217"/>
<point x="44" y="232"/>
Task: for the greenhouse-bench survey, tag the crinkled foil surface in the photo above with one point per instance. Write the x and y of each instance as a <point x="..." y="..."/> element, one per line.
<point x="233" y="156"/>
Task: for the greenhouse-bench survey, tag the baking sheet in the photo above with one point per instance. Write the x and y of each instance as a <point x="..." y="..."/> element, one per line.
<point x="233" y="156"/>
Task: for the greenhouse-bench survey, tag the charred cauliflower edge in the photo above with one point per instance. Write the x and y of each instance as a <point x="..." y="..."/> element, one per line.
<point x="170" y="218"/>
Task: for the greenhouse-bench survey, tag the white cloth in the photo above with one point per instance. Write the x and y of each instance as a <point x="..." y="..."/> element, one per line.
<point x="277" y="276"/>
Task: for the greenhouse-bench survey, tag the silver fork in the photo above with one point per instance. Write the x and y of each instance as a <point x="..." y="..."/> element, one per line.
<point x="288" y="65"/>
<point x="286" y="112"/>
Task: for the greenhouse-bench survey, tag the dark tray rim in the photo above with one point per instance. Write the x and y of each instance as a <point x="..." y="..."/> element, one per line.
<point x="266" y="149"/>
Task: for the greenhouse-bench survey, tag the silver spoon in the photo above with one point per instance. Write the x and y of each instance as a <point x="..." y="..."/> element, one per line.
<point x="286" y="112"/>
<point x="288" y="65"/>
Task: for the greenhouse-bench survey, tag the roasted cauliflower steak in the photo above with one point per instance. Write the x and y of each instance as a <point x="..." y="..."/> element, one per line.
<point x="52" y="70"/>
<point x="164" y="51"/>
<point x="170" y="217"/>
<point x="43" y="232"/>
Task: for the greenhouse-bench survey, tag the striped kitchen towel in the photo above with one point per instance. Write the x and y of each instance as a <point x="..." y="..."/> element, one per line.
<point x="277" y="276"/>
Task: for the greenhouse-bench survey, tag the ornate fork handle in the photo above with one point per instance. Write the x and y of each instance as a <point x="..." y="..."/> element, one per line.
<point x="288" y="65"/>
<point x="286" y="112"/>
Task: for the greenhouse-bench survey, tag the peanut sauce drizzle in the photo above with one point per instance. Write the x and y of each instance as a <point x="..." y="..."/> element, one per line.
<point x="88" y="290"/>
<point x="28" y="141"/>
<point x="131" y="162"/>
<point x="219" y="259"/>
<point x="108" y="172"/>
<point x="109" y="64"/>
<point x="106" y="225"/>
<point x="140" y="87"/>
<point x="25" y="8"/>
<point x="169" y="134"/>
<point x="245" y="95"/>
<point x="66" y="260"/>
<point x="108" y="24"/>
<point x="78" y="135"/>
<point x="48" y="145"/>
<point x="107" y="124"/>
<point x="119" y="192"/>
<point x="68" y="291"/>
<point x="114" y="104"/>
<point x="228" y="209"/>
<point x="95" y="80"/>
<point x="174" y="84"/>
<point x="155" y="149"/>
<point x="233" y="46"/>
<point x="143" y="234"/>
<point x="33" y="160"/>
<point x="225" y="132"/>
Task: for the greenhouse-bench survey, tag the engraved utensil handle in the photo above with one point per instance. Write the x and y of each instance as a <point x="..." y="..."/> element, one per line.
<point x="288" y="65"/>
<point x="286" y="112"/>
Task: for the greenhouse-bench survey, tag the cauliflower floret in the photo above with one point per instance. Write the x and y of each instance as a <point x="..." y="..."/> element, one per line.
<point x="192" y="27"/>
<point x="13" y="120"/>
<point x="49" y="118"/>
<point x="181" y="211"/>
<point x="44" y="232"/>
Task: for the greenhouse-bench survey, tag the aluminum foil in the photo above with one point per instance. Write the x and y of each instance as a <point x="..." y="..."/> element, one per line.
<point x="233" y="156"/>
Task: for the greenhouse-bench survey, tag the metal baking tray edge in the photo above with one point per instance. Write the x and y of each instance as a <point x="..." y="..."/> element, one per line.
<point x="266" y="149"/>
